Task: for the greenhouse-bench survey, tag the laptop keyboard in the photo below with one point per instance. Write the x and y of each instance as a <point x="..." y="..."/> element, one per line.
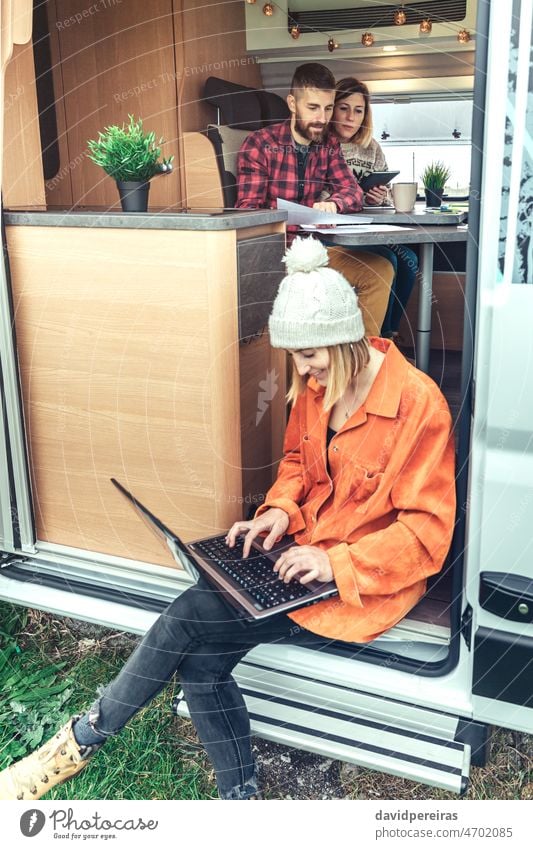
<point x="254" y="574"/>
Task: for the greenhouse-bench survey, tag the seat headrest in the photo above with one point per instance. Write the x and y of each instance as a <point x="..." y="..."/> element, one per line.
<point x="239" y="105"/>
<point x="273" y="107"/>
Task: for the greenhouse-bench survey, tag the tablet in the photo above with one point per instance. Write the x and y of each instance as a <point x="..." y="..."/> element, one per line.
<point x="377" y="178"/>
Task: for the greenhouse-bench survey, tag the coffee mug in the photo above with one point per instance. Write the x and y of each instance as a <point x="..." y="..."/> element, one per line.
<point x="404" y="196"/>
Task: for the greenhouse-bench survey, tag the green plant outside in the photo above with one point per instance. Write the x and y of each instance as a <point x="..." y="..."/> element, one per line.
<point x="435" y="175"/>
<point x="47" y="675"/>
<point x="128" y="153"/>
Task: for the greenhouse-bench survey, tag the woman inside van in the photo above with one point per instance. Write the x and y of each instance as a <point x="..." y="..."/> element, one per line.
<point x="366" y="486"/>
<point x="352" y="124"/>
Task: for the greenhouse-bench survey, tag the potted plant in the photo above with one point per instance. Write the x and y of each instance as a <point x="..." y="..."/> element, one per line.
<point x="434" y="179"/>
<point x="131" y="157"/>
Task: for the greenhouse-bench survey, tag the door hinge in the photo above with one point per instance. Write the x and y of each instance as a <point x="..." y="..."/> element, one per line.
<point x="466" y="625"/>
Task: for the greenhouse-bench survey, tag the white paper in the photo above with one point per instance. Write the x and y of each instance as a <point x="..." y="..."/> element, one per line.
<point x="299" y="214"/>
<point x="352" y="228"/>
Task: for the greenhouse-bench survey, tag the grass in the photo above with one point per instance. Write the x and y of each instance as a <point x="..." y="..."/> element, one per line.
<point x="48" y="671"/>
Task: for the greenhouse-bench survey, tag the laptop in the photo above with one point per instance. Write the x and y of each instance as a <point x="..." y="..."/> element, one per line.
<point x="250" y="585"/>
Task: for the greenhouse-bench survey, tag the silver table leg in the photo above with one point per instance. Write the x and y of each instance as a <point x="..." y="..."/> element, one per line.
<point x="425" y="298"/>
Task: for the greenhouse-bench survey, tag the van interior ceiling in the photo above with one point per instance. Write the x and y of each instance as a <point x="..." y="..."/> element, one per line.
<point x="89" y="74"/>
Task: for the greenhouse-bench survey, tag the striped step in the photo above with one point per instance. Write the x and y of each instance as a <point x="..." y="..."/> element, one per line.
<point x="418" y="745"/>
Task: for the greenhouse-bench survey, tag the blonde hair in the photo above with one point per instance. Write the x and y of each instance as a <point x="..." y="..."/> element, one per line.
<point x="345" y="88"/>
<point x="345" y="361"/>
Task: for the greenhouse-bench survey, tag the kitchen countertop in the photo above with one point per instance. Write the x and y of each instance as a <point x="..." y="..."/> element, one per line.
<point x="156" y="219"/>
<point x="420" y="215"/>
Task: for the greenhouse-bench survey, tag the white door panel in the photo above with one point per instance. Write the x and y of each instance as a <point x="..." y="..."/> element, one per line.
<point x="499" y="557"/>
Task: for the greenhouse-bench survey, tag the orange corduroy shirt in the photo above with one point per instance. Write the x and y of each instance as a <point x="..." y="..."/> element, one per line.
<point x="385" y="511"/>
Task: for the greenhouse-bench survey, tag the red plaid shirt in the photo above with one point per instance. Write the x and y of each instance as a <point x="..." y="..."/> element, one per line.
<point x="267" y="169"/>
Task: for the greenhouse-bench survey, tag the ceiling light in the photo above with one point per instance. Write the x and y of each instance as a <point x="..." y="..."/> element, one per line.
<point x="463" y="36"/>
<point x="400" y="17"/>
<point x="389" y="48"/>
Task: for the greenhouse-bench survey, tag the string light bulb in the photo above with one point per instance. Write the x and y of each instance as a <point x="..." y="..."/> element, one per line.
<point x="268" y="10"/>
<point x="295" y="31"/>
<point x="367" y="39"/>
<point x="251" y="2"/>
<point x="400" y="17"/>
<point x="463" y="36"/>
<point x="426" y="26"/>
<point x="332" y="45"/>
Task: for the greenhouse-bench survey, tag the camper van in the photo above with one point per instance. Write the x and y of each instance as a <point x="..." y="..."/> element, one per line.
<point x="134" y="343"/>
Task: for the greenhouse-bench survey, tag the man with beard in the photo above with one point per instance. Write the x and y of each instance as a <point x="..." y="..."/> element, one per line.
<point x="295" y="160"/>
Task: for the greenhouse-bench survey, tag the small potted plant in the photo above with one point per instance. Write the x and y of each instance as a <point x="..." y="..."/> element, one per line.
<point x="131" y="157"/>
<point x="434" y="179"/>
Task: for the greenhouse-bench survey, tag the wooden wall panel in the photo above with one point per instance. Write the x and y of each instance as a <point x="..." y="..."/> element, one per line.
<point x="59" y="187"/>
<point x="129" y="355"/>
<point x="210" y="42"/>
<point x="262" y="430"/>
<point x="23" y="181"/>
<point x="142" y="59"/>
<point x="116" y="61"/>
<point x="447" y="312"/>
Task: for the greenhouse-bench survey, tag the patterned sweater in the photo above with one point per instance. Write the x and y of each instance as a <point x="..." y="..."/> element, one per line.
<point x="363" y="161"/>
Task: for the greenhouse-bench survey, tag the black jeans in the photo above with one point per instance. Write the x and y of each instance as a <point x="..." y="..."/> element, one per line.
<point x="201" y="637"/>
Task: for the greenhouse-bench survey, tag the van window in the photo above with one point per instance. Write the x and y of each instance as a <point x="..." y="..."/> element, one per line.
<point x="425" y="130"/>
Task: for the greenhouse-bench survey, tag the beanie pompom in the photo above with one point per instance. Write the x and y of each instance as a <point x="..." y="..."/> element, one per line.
<point x="305" y="255"/>
<point x="315" y="306"/>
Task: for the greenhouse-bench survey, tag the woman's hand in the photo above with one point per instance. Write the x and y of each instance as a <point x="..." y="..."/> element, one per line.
<point x="274" y="520"/>
<point x="325" y="206"/>
<point x="305" y="563"/>
<point x="376" y="196"/>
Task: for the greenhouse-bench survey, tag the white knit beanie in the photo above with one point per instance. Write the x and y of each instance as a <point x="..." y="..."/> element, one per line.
<point x="315" y="306"/>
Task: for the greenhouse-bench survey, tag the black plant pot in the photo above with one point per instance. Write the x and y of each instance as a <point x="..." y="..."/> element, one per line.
<point x="434" y="197"/>
<point x="133" y="195"/>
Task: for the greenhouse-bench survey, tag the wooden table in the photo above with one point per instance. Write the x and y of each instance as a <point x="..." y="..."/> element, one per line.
<point x="419" y="230"/>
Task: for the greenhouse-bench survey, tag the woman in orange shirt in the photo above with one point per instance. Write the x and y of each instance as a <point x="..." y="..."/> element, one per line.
<point x="366" y="485"/>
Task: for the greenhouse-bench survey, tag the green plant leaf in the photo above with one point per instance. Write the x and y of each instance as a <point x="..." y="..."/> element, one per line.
<point x="435" y="175"/>
<point x="127" y="152"/>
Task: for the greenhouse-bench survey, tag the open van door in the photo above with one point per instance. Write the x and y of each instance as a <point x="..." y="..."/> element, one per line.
<point x="16" y="523"/>
<point x="499" y="555"/>
<point x="12" y="451"/>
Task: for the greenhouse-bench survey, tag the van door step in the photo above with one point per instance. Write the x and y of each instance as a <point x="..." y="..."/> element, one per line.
<point x="419" y="744"/>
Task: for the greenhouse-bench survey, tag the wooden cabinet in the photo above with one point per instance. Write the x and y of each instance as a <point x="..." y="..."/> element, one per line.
<point x="132" y="367"/>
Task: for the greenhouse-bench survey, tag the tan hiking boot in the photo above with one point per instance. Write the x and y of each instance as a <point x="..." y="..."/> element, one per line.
<point x="58" y="759"/>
